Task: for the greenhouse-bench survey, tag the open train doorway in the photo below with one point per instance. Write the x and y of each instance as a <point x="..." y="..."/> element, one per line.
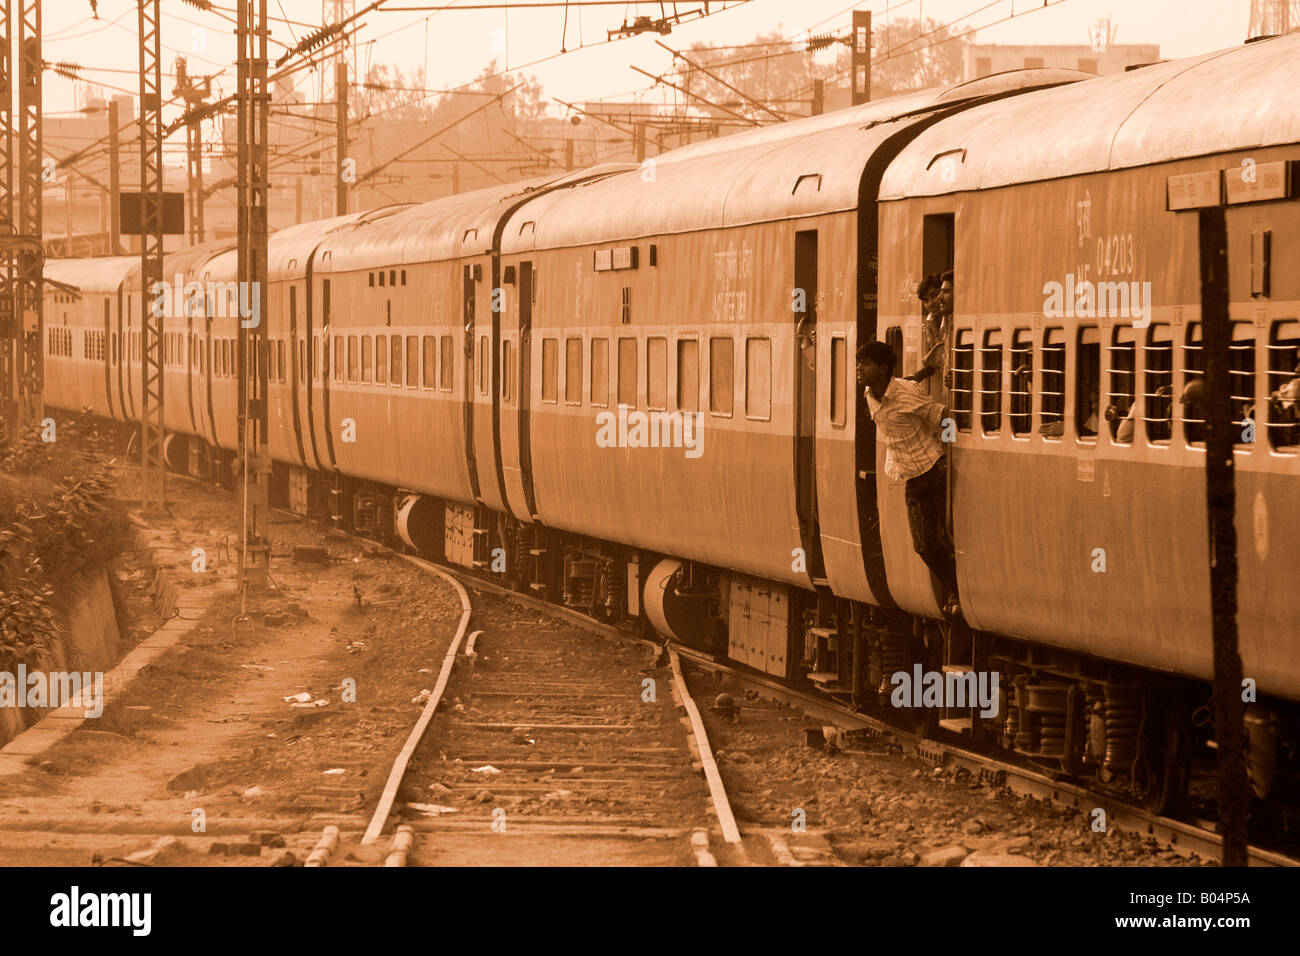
<point x="805" y="407"/>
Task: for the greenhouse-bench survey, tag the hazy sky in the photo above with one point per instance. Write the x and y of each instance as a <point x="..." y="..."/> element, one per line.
<point x="455" y="45"/>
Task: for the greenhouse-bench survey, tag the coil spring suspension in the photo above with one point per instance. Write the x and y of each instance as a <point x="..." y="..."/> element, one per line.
<point x="893" y="657"/>
<point x="1123" y="720"/>
<point x="615" y="585"/>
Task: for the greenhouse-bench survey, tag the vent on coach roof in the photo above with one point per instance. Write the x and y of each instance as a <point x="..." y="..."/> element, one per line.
<point x="808" y="183"/>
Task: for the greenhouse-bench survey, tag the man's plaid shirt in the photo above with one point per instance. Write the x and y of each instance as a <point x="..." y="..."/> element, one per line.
<point x="907" y="420"/>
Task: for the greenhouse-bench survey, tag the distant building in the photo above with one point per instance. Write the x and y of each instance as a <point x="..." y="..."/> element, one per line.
<point x="1101" y="57"/>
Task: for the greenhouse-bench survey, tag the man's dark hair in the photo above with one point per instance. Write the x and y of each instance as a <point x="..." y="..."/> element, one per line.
<point x="946" y="277"/>
<point x="928" y="285"/>
<point x="879" y="352"/>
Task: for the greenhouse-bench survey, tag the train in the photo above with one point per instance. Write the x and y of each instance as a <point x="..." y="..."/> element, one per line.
<point x="631" y="389"/>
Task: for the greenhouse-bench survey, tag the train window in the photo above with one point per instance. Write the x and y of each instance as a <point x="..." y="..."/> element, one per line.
<point x="352" y="358"/>
<point x="721" y="385"/>
<point x="338" y="358"/>
<point x="550" y="361"/>
<point x="1022" y="382"/>
<point x="395" y="360"/>
<point x="839" y="368"/>
<point x="365" y="359"/>
<point x="506" y="364"/>
<point x="990" y="390"/>
<point x="573" y="371"/>
<point x="1121" y="396"/>
<point x="688" y="375"/>
<point x="430" y="345"/>
<point x="381" y="359"/>
<point x="1051" y="407"/>
<point x="448" y="364"/>
<point x="656" y="372"/>
<point x="600" y="372"/>
<point x="1192" y="414"/>
<point x="372" y="280"/>
<point x="1157" y="382"/>
<point x="412" y="361"/>
<point x="627" y="372"/>
<point x="483" y="364"/>
<point x="1283" y="386"/>
<point x="392" y="277"/>
<point x="403" y="277"/>
<point x="963" y="378"/>
<point x="758" y="379"/>
<point x="381" y="278"/>
<point x="1241" y="375"/>
<point x="1087" y="383"/>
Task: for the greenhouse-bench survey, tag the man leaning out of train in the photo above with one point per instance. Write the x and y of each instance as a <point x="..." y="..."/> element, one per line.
<point x="909" y="422"/>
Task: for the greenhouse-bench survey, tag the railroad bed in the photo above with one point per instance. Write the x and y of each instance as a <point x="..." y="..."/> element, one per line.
<point x="556" y="747"/>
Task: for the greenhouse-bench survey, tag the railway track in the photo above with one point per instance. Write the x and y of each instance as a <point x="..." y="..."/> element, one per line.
<point x="1185" y="838"/>
<point x="551" y="745"/>
<point x="534" y="673"/>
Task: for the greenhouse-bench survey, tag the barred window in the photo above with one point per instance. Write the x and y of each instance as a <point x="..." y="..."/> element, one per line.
<point x="1283" y="386"/>
<point x="758" y="378"/>
<point x="627" y="372"/>
<point x="1157" y="382"/>
<point x="573" y="371"/>
<point x="963" y="378"/>
<point x="656" y="372"/>
<point x="430" y="344"/>
<point x="600" y="372"/>
<point x="1022" y="382"/>
<point x="990" y="391"/>
<point x="722" y="389"/>
<point x="1051" y="408"/>
<point x="550" y="370"/>
<point x="1122" y="394"/>
<point x="688" y="375"/>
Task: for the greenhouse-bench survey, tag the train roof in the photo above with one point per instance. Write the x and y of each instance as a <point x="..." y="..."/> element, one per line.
<point x="803" y="167"/>
<point x="446" y="228"/>
<point x="1233" y="99"/>
<point x="99" y="275"/>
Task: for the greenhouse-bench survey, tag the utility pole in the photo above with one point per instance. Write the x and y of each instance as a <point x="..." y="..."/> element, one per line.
<point x="254" y="448"/>
<point x="9" y="329"/>
<point x="860" y="57"/>
<point x="341" y="141"/>
<point x="114" y="183"/>
<point x="194" y="93"/>
<point x="152" y="465"/>
<point x="819" y="97"/>
<point x="31" y="257"/>
<point x="1221" y="496"/>
<point x="568" y="153"/>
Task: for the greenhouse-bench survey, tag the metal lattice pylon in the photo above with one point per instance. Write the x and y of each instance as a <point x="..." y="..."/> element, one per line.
<point x="31" y="260"/>
<point x="8" y="329"/>
<point x="252" y="185"/>
<point x="1269" y="17"/>
<point x="151" y="253"/>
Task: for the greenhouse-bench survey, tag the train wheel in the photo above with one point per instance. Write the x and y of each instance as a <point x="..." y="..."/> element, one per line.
<point x="1161" y="772"/>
